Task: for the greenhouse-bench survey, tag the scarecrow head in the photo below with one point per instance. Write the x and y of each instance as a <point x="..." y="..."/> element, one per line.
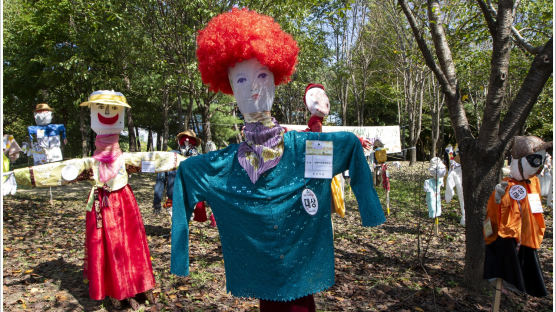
<point x="188" y="142"/>
<point x="246" y="54"/>
<point x="528" y="156"/>
<point x="107" y="111"/>
<point x="43" y="114"/>
<point x="437" y="168"/>
<point x="316" y="100"/>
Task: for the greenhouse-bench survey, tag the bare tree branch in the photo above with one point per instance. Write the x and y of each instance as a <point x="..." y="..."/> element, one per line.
<point x="491" y="23"/>
<point x="501" y="48"/>
<point x="429" y="60"/>
<point x="489" y="10"/>
<point x="532" y="86"/>
<point x="441" y="44"/>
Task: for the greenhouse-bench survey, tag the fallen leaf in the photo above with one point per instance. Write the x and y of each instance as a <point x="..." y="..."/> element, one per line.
<point x="418" y="309"/>
<point x="29" y="271"/>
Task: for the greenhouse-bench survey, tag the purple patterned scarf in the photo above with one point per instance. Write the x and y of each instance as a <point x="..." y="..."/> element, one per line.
<point x="262" y="149"/>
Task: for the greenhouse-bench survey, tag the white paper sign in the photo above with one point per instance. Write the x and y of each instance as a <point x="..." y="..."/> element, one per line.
<point x="518" y="192"/>
<point x="535" y="203"/>
<point x="310" y="202"/>
<point x="318" y="159"/>
<point x="147" y="166"/>
<point x="487" y="227"/>
<point x="40" y="133"/>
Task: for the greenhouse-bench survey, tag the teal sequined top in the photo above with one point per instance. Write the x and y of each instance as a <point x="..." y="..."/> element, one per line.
<point x="273" y="248"/>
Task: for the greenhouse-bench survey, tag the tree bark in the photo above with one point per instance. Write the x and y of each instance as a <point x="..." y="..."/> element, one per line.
<point x="131" y="132"/>
<point x="84" y="129"/>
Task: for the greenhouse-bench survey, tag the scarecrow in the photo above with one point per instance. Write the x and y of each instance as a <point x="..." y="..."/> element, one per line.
<point x="514" y="225"/>
<point x="270" y="194"/>
<point x="437" y="170"/>
<point x="45" y="137"/>
<point x="11" y="153"/>
<point x="117" y="259"/>
<point x="454" y="180"/>
<point x="318" y="104"/>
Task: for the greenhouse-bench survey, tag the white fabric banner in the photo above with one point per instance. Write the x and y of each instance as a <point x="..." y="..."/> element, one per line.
<point x="389" y="135"/>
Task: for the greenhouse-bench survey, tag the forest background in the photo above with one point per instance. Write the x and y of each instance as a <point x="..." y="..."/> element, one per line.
<point x="363" y="52"/>
<point x="488" y="78"/>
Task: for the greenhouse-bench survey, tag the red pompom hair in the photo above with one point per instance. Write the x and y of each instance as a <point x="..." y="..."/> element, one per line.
<point x="240" y="35"/>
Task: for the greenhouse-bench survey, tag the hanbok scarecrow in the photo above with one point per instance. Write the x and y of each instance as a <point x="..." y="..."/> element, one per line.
<point x="514" y="225"/>
<point x="46" y="138"/>
<point x="117" y="258"/>
<point x="10" y="153"/>
<point x="270" y="194"/>
<point x="454" y="180"/>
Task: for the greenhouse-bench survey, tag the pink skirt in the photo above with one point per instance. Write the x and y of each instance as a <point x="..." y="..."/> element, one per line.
<point x="117" y="259"/>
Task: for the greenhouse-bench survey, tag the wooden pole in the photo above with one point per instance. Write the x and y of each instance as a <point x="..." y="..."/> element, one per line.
<point x="497" y="295"/>
<point x="436" y="225"/>
<point x="388" y="202"/>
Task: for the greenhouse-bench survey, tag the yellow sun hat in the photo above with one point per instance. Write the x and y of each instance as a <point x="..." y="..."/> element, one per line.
<point x="109" y="97"/>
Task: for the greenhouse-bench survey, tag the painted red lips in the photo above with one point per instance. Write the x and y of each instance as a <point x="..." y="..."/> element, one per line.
<point x="108" y="120"/>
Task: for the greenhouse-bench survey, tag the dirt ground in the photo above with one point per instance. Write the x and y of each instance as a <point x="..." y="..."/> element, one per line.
<point x="377" y="269"/>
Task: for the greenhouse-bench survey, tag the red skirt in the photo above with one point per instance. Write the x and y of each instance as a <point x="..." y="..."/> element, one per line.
<point x="117" y="258"/>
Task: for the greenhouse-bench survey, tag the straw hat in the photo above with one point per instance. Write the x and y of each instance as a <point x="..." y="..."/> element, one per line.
<point x="109" y="97"/>
<point x="43" y="107"/>
<point x="191" y="135"/>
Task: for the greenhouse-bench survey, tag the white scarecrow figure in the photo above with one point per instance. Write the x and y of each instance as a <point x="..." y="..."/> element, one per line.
<point x="117" y="257"/>
<point x="454" y="179"/>
<point x="45" y="137"/>
<point x="432" y="187"/>
<point x="11" y="153"/>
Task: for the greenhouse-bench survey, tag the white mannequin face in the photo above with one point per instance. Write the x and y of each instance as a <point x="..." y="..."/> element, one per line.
<point x="43" y="118"/>
<point x="107" y="119"/>
<point x="529" y="170"/>
<point x="317" y="102"/>
<point x="253" y="86"/>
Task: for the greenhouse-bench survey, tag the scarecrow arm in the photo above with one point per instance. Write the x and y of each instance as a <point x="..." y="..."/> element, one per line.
<point x="155" y="161"/>
<point x="56" y="173"/>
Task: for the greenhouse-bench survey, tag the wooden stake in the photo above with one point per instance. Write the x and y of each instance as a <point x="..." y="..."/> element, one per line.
<point x="436" y="225"/>
<point x="388" y="202"/>
<point x="497" y="295"/>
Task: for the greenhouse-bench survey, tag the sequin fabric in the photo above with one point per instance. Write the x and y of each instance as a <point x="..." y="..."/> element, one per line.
<point x="273" y="248"/>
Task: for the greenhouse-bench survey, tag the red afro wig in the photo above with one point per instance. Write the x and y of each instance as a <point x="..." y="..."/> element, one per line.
<point x="240" y="35"/>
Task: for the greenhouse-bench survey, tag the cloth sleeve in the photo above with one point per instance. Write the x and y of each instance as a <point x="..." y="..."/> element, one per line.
<point x="163" y="161"/>
<point x="188" y="190"/>
<point x="62" y="131"/>
<point x="51" y="174"/>
<point x="348" y="154"/>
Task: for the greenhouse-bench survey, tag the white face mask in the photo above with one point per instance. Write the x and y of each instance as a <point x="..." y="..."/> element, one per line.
<point x="529" y="170"/>
<point x="107" y="119"/>
<point x="43" y="118"/>
<point x="317" y="102"/>
<point x="437" y="169"/>
<point x="253" y="86"/>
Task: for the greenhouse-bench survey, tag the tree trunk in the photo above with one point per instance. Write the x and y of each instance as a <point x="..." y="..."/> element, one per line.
<point x="150" y="141"/>
<point x="165" y="108"/>
<point x="84" y="129"/>
<point x="131" y="132"/>
<point x="138" y="139"/>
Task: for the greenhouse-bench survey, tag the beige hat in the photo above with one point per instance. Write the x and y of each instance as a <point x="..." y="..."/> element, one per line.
<point x="109" y="97"/>
<point x="527" y="145"/>
<point x="43" y="107"/>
